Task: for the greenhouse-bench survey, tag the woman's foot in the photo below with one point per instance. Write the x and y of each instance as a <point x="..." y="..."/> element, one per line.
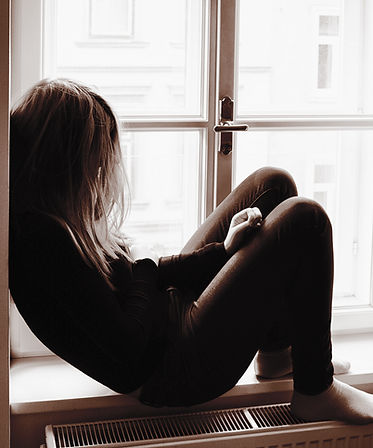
<point x="273" y="364"/>
<point x="278" y="363"/>
<point x="339" y="402"/>
<point x="341" y="366"/>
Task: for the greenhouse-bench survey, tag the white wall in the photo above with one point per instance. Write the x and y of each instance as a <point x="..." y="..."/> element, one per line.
<point x="4" y="297"/>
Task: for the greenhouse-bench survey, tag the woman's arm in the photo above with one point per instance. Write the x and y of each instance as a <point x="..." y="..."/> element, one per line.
<point x="141" y="252"/>
<point x="241" y="224"/>
<point x="198" y="268"/>
<point x="194" y="270"/>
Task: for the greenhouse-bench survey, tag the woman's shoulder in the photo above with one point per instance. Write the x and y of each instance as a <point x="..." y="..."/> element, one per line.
<point x="36" y="238"/>
<point x="36" y="226"/>
<point x="43" y="256"/>
<point x="39" y="250"/>
<point x="42" y="238"/>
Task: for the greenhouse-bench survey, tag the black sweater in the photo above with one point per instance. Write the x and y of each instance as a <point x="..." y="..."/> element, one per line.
<point x="116" y="337"/>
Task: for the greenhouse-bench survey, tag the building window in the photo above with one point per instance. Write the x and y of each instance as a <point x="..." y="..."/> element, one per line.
<point x="328" y="51"/>
<point x="110" y="18"/>
<point x="328" y="25"/>
<point x="324" y="80"/>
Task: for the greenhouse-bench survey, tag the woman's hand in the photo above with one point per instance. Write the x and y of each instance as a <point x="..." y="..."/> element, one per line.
<point x="139" y="252"/>
<point x="242" y="223"/>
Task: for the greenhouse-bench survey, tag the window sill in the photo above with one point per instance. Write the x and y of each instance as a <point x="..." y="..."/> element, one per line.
<point x="48" y="384"/>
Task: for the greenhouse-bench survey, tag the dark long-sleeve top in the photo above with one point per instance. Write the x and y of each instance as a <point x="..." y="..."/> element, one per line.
<point x="115" y="336"/>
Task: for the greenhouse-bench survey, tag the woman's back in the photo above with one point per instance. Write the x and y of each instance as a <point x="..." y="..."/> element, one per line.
<point x="70" y="274"/>
<point x="107" y="334"/>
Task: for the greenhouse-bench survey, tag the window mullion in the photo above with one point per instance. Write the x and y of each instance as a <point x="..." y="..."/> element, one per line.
<point x="227" y="67"/>
<point x="211" y="103"/>
<point x="308" y="123"/>
<point x="141" y="125"/>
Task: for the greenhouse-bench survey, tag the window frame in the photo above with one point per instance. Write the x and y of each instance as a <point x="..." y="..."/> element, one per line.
<point x="220" y="80"/>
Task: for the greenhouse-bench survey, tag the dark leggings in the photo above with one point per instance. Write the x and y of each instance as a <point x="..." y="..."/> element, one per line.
<point x="275" y="291"/>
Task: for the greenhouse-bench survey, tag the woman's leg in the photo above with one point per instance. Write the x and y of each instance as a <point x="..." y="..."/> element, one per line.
<point x="288" y="263"/>
<point x="265" y="189"/>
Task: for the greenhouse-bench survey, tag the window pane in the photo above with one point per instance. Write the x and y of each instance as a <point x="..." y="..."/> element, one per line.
<point x="110" y="18"/>
<point x="324" y="173"/>
<point x="295" y="57"/>
<point x="325" y="67"/>
<point x="145" y="57"/>
<point x="164" y="170"/>
<point x="328" y="25"/>
<point x="333" y="168"/>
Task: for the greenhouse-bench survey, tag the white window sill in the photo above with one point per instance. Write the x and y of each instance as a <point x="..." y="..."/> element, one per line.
<point x="48" y="384"/>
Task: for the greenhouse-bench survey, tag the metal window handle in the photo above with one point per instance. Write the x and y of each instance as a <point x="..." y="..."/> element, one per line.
<point x="226" y="126"/>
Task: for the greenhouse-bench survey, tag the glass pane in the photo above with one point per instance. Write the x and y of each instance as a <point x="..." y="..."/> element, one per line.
<point x="329" y="25"/>
<point x="110" y="18"/>
<point x="164" y="174"/>
<point x="333" y="168"/>
<point x="145" y="57"/>
<point x="325" y="67"/>
<point x="304" y="57"/>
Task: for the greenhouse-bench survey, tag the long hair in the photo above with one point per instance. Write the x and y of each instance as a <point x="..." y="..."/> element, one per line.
<point x="66" y="162"/>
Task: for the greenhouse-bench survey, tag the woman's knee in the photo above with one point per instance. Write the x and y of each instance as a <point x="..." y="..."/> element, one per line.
<point x="265" y="188"/>
<point x="276" y="178"/>
<point x="307" y="213"/>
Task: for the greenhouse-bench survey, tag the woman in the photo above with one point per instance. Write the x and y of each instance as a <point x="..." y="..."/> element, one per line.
<point x="257" y="275"/>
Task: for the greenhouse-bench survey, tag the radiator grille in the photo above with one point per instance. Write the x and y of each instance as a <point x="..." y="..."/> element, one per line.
<point x="270" y="416"/>
<point x="125" y="432"/>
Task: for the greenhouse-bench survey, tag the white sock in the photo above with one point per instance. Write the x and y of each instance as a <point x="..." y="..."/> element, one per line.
<point x="341" y="366"/>
<point x="339" y="402"/>
<point x="273" y="364"/>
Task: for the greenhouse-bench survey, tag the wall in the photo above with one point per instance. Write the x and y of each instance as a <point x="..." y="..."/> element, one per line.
<point x="4" y="296"/>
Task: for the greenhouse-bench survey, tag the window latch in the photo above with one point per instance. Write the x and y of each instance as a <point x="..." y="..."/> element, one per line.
<point x="226" y="125"/>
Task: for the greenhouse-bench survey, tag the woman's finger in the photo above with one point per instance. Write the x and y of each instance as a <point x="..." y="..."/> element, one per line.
<point x="257" y="211"/>
<point x="254" y="216"/>
<point x="240" y="217"/>
<point x="250" y="216"/>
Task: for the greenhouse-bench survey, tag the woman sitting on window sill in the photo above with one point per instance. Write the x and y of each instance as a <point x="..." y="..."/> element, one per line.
<point x="179" y="330"/>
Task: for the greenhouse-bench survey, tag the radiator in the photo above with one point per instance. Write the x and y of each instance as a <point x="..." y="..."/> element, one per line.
<point x="270" y="426"/>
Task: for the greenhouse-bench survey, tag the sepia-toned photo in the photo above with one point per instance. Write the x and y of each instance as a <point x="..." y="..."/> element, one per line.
<point x="187" y="223"/>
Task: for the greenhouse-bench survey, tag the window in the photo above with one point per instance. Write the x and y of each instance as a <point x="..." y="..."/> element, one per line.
<point x="153" y="69"/>
<point x="313" y="120"/>
<point x="300" y="75"/>
<point x="154" y="72"/>
<point x="325" y="66"/>
<point x="328" y="51"/>
<point x="112" y="18"/>
<point x="328" y="25"/>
